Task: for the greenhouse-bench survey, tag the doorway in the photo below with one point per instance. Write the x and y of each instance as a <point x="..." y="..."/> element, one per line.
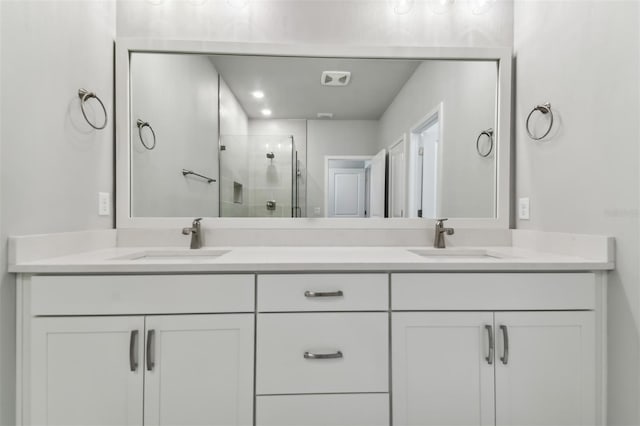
<point x="426" y="165"/>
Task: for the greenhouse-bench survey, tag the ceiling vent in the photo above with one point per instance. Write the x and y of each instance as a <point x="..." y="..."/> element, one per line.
<point x="335" y="78"/>
<point x="325" y="115"/>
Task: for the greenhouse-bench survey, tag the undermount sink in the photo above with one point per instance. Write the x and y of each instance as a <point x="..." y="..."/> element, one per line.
<point x="459" y="254"/>
<point x="188" y="255"/>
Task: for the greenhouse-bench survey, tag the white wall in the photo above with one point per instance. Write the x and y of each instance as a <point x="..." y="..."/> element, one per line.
<point x="297" y="129"/>
<point x="583" y="57"/>
<point x="334" y="137"/>
<point x="234" y="163"/>
<point x="52" y="164"/>
<point x="348" y="22"/>
<point x="178" y="96"/>
<point x="467" y="91"/>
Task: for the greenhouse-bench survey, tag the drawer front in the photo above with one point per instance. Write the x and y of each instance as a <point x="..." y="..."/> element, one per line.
<point x="141" y="294"/>
<point x="323" y="292"/>
<point x="493" y="291"/>
<point x="323" y="410"/>
<point x="351" y="350"/>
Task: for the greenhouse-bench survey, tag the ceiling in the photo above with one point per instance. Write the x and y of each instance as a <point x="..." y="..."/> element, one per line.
<point x="292" y="88"/>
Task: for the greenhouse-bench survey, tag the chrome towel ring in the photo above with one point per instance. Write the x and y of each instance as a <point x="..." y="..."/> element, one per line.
<point x="84" y="96"/>
<point x="488" y="133"/>
<point x="544" y="109"/>
<point x="142" y="124"/>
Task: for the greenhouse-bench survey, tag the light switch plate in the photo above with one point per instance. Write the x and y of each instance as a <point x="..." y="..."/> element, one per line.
<point x="524" y="209"/>
<point x="104" y="204"/>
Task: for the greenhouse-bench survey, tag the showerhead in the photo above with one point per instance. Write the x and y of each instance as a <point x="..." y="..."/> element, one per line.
<point x="271" y="155"/>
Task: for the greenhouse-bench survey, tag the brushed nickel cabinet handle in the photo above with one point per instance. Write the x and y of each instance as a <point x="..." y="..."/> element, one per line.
<point x="311" y="355"/>
<point x="133" y="352"/>
<point x="338" y="293"/>
<point x="490" y="357"/>
<point x="150" y="350"/>
<point x="505" y="354"/>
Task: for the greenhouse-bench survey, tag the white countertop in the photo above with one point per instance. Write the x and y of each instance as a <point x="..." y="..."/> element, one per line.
<point x="269" y="259"/>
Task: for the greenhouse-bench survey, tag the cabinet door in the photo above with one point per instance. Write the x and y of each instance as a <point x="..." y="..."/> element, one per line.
<point x="199" y="370"/>
<point x="84" y="372"/>
<point x="548" y="377"/>
<point x="440" y="372"/>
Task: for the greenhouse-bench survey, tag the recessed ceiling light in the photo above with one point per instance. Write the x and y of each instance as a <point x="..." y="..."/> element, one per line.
<point x="258" y="94"/>
<point x="266" y="112"/>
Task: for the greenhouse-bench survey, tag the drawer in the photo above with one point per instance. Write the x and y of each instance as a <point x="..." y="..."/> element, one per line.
<point x="141" y="294"/>
<point x="323" y="410"/>
<point x="323" y="292"/>
<point x="357" y="345"/>
<point x="493" y="291"/>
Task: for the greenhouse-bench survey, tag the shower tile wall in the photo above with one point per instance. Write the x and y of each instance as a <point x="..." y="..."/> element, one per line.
<point x="269" y="179"/>
<point x="233" y="160"/>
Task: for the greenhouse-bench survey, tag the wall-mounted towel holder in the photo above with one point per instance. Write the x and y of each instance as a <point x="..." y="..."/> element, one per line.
<point x="488" y="133"/>
<point x="544" y="109"/>
<point x="186" y="172"/>
<point x="141" y="125"/>
<point x="84" y="96"/>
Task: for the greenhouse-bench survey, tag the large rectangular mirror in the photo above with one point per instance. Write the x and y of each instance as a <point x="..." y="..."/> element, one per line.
<point x="213" y="134"/>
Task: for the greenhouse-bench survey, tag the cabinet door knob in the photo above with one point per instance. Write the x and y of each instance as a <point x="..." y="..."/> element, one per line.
<point x="505" y="336"/>
<point x="311" y="355"/>
<point x="490" y="356"/>
<point x="150" y="350"/>
<point x="323" y="293"/>
<point x="133" y="350"/>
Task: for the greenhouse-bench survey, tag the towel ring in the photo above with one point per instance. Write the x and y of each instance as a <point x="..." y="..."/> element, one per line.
<point x="544" y="109"/>
<point x="142" y="124"/>
<point x="488" y="133"/>
<point x="84" y="96"/>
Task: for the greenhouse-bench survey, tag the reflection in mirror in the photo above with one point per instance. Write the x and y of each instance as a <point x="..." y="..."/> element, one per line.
<point x="312" y="137"/>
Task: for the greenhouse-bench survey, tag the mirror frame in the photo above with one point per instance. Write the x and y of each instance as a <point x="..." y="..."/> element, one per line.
<point x="126" y="46"/>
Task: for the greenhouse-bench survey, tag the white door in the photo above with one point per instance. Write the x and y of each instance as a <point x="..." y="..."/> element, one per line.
<point x="441" y="375"/>
<point x="87" y="371"/>
<point x="397" y="172"/>
<point x="346" y="192"/>
<point x="377" y="187"/>
<point x="199" y="370"/>
<point x="548" y="377"/>
<point x="430" y="164"/>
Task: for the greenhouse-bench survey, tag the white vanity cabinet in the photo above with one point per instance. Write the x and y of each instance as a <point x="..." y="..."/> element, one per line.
<point x="322" y="352"/>
<point x="192" y="368"/>
<point x="524" y="367"/>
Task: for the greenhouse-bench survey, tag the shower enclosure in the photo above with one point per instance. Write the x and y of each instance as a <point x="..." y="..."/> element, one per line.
<point x="259" y="176"/>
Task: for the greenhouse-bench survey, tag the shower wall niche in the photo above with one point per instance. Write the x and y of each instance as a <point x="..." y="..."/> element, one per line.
<point x="264" y="169"/>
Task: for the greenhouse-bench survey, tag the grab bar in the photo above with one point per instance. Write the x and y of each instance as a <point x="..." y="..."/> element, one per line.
<point x="186" y="172"/>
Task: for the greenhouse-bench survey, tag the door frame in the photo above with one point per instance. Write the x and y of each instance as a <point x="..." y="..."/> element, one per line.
<point x="402" y="139"/>
<point x="326" y="174"/>
<point x="435" y="115"/>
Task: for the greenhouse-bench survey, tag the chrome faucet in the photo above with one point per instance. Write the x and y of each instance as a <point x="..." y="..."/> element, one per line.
<point x="196" y="233"/>
<point x="438" y="240"/>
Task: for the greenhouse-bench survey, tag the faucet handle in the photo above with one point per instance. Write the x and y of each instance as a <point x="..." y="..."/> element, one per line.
<point x="440" y="222"/>
<point x="196" y="221"/>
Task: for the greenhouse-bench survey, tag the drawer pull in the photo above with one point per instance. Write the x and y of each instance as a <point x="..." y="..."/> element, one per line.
<point x="311" y="355"/>
<point x="490" y="357"/>
<point x="338" y="293"/>
<point x="133" y="344"/>
<point x="151" y="334"/>
<point x="505" y="336"/>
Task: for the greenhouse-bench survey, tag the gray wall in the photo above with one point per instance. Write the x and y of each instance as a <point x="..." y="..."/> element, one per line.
<point x="52" y="163"/>
<point x="583" y="58"/>
<point x="334" y="137"/>
<point x="467" y="91"/>
<point x="178" y="96"/>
